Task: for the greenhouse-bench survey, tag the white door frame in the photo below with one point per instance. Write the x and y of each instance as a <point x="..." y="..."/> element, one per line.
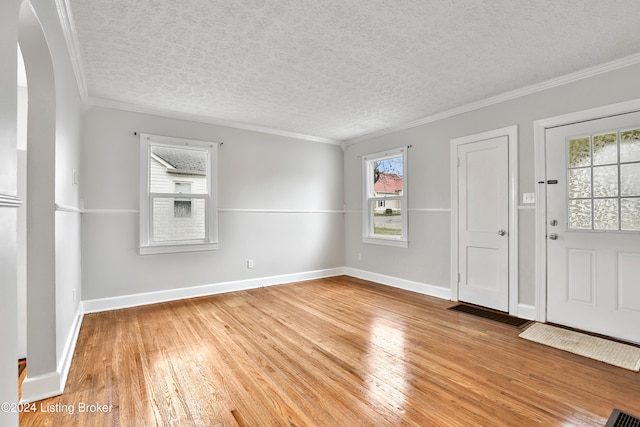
<point x="539" y="132"/>
<point x="511" y="132"/>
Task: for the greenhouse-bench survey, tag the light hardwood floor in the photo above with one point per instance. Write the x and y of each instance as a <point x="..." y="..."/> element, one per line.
<point x="330" y="352"/>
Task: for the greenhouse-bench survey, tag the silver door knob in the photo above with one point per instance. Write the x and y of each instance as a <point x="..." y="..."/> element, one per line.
<point x="502" y="232"/>
<point x="553" y="236"/>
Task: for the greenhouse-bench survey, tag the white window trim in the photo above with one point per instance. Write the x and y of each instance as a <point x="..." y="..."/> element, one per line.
<point x="147" y="246"/>
<point x="368" y="236"/>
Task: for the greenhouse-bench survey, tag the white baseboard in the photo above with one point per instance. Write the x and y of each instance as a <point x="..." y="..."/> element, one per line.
<point x="64" y="364"/>
<point x="52" y="384"/>
<point x="135" y="300"/>
<point x="126" y="301"/>
<point x="526" y="311"/>
<point x="409" y="285"/>
<point x="41" y="387"/>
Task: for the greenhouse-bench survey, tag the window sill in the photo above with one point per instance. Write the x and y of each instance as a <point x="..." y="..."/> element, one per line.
<point x="398" y="243"/>
<point x="168" y="249"/>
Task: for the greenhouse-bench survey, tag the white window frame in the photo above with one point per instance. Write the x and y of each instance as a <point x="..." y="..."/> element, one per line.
<point x="210" y="242"/>
<point x="370" y="201"/>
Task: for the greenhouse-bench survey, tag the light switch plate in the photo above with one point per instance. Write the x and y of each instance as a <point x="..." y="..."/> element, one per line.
<point x="528" y="197"/>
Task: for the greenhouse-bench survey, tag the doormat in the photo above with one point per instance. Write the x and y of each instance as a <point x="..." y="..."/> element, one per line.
<point x="611" y="352"/>
<point x="490" y="314"/>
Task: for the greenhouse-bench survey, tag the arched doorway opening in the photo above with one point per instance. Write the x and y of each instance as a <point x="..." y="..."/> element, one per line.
<point x="40" y="212"/>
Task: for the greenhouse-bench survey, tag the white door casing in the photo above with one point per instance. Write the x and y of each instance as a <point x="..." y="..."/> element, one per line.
<point x="592" y="258"/>
<point x="484" y="219"/>
<point x="539" y="132"/>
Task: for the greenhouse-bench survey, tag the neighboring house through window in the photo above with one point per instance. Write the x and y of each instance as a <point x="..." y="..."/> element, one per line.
<point x="385" y="198"/>
<point x="182" y="207"/>
<point x="178" y="209"/>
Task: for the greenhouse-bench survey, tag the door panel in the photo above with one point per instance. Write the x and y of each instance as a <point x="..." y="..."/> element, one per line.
<point x="483" y="200"/>
<point x="593" y="225"/>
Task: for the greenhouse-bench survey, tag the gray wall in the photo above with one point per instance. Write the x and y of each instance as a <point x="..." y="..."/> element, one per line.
<point x="8" y="214"/>
<point x="274" y="194"/>
<point x="56" y="137"/>
<point x="427" y="260"/>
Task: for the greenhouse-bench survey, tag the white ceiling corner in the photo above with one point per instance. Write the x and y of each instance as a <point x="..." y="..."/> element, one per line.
<point x="331" y="70"/>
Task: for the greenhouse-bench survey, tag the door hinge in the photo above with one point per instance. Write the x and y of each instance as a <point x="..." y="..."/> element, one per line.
<point x="458" y="277"/>
<point x="458" y="161"/>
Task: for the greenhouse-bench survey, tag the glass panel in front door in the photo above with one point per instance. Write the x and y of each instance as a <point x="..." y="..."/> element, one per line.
<point x="603" y="180"/>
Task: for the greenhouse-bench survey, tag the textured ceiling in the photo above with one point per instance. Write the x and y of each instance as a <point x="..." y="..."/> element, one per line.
<point x="338" y="69"/>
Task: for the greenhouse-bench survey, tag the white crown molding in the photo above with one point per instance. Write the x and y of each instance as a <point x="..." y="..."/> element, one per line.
<point x="69" y="30"/>
<point x="105" y="103"/>
<point x="508" y="96"/>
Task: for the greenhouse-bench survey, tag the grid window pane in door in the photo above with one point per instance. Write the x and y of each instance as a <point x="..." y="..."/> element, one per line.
<point x="630" y="145"/>
<point x="630" y="214"/>
<point x="605" y="214"/>
<point x="605" y="149"/>
<point x="630" y="179"/>
<point x="580" y="214"/>
<point x="579" y="183"/>
<point x="603" y="181"/>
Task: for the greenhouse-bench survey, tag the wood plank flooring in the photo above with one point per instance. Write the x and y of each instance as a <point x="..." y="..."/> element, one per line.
<point x="330" y="352"/>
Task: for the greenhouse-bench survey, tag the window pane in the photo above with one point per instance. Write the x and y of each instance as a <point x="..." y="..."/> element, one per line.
<point x="383" y="210"/>
<point x="170" y="164"/>
<point x="388" y="177"/>
<point x="579" y="152"/>
<point x="605" y="149"/>
<point x="630" y="146"/>
<point x="605" y="214"/>
<point x="183" y="187"/>
<point x="580" y="183"/>
<point x="387" y="221"/>
<point x="605" y="181"/>
<point x="182" y="208"/>
<point x="630" y="179"/>
<point x="580" y="214"/>
<point x="171" y="222"/>
<point x="630" y="209"/>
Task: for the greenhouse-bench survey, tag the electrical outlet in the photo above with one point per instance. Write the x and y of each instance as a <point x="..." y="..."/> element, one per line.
<point x="359" y="256"/>
<point x="74" y="295"/>
<point x="249" y="263"/>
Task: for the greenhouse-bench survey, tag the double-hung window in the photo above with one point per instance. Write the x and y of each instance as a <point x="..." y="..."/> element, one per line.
<point x="385" y="198"/>
<point x="178" y="198"/>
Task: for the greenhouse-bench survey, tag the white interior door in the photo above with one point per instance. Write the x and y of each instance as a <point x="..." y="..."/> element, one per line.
<point x="593" y="225"/>
<point x="483" y="223"/>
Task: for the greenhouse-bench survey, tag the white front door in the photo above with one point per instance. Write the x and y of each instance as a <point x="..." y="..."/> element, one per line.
<point x="483" y="222"/>
<point x="593" y="225"/>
